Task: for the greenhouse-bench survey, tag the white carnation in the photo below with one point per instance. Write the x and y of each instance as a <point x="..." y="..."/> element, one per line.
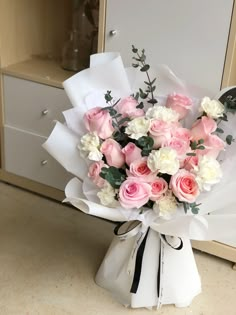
<point x="208" y="172"/>
<point x="162" y="113"/>
<point x="166" y="205"/>
<point x="89" y="145"/>
<point x="95" y="155"/>
<point x="214" y="109"/>
<point x="163" y="160"/>
<point x="138" y="127"/>
<point x="107" y="196"/>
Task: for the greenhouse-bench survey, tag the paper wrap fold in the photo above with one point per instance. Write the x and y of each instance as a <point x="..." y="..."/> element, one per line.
<point x="86" y="90"/>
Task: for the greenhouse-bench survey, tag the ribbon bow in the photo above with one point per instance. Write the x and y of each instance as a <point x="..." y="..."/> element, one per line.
<point x="126" y="230"/>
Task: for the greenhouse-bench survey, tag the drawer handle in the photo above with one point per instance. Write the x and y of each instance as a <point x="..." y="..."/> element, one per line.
<point x="44" y="162"/>
<point x="113" y="32"/>
<point x="45" y="112"/>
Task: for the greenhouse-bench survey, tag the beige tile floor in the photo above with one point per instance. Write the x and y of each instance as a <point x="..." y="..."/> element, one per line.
<point x="49" y="254"/>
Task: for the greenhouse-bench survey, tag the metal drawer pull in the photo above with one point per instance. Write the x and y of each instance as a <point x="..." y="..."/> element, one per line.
<point x="44" y="112"/>
<point x="44" y="162"/>
<point x="113" y="32"/>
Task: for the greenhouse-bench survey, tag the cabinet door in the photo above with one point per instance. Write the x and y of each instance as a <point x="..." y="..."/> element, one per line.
<point x="189" y="36"/>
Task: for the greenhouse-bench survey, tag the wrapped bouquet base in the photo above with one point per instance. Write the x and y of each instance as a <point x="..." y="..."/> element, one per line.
<point x="143" y="268"/>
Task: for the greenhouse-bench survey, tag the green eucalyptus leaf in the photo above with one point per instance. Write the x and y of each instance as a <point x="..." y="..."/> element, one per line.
<point x="151" y="83"/>
<point x="195" y="210"/>
<point x="191" y="154"/>
<point x="186" y="207"/>
<point x="103" y="172"/>
<point x="152" y="101"/>
<point x="108" y="96"/>
<point x="193" y="145"/>
<point x="229" y="139"/>
<point x="107" y="108"/>
<point x="143" y="58"/>
<point x="134" y="50"/>
<point x="119" y="136"/>
<point x="112" y="112"/>
<point x="142" y="94"/>
<point x="201" y="147"/>
<point x="137" y="96"/>
<point x="145" y="152"/>
<point x="140" y="105"/>
<point x="219" y="130"/>
<point x="145" y="68"/>
<point x="113" y="175"/>
<point x="145" y="142"/>
<point x="224" y="118"/>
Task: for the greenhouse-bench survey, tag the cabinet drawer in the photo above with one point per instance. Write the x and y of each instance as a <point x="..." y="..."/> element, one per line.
<point x="32" y="106"/>
<point x="25" y="156"/>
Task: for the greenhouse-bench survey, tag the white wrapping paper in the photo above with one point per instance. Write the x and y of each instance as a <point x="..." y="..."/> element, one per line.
<point x="86" y="90"/>
<point x="179" y="279"/>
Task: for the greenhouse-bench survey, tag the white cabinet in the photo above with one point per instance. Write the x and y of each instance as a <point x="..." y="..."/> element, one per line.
<point x="29" y="111"/>
<point x="189" y="36"/>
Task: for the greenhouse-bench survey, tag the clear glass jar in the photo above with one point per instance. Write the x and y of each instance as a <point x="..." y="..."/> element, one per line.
<point x="80" y="45"/>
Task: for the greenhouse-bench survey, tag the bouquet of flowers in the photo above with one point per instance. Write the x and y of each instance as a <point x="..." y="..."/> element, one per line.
<point x="146" y="153"/>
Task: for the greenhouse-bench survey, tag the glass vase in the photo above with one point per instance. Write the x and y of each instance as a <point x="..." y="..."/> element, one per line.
<point x="83" y="34"/>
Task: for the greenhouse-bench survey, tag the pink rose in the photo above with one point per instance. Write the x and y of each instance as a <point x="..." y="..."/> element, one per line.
<point x="139" y="168"/>
<point x="180" y="103"/>
<point x="213" y="145"/>
<point x="184" y="186"/>
<point x="131" y="152"/>
<point x="159" y="187"/>
<point x="180" y="146"/>
<point x="190" y="162"/>
<point x="134" y="193"/>
<point x="113" y="154"/>
<point x="182" y="133"/>
<point x="94" y="171"/>
<point x="99" y="121"/>
<point x="160" y="132"/>
<point x="203" y="127"/>
<point x="127" y="107"/>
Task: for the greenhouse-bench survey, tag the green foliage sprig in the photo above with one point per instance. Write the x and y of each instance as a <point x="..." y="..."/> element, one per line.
<point x="140" y="62"/>
<point x="191" y="206"/>
<point x="146" y="144"/>
<point x="116" y="121"/>
<point x="196" y="145"/>
<point x="113" y="175"/>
